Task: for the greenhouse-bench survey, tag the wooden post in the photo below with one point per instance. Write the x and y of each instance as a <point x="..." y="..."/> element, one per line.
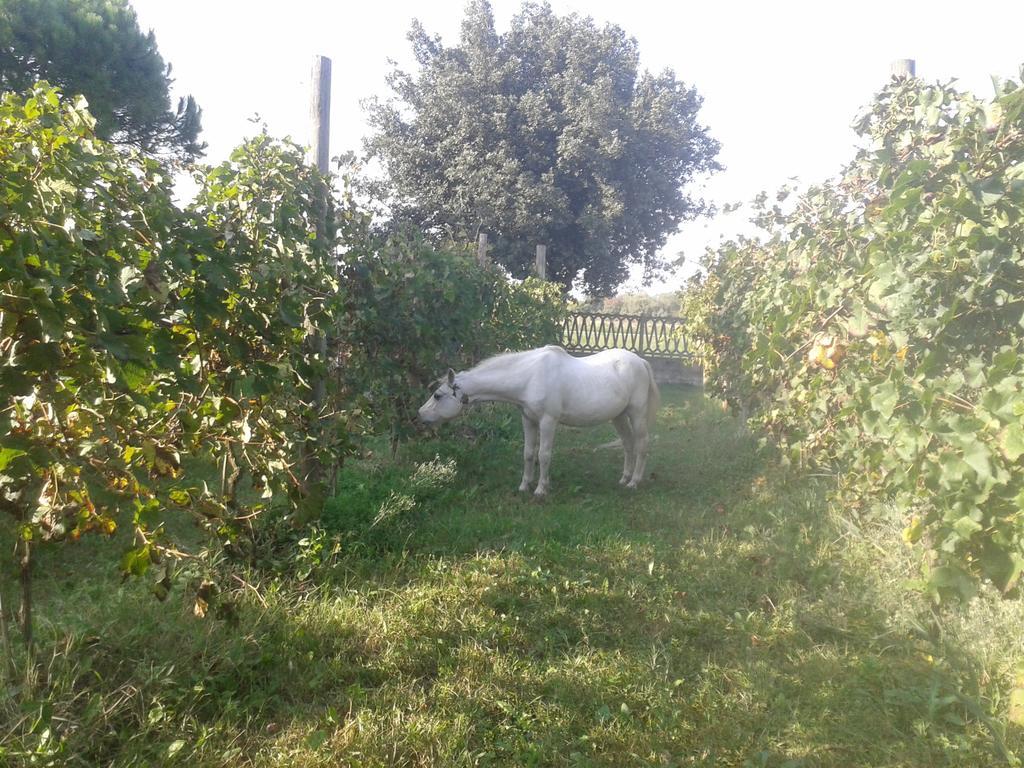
<point x="320" y="154"/>
<point x="542" y="262"/>
<point x="320" y="113"/>
<point x="481" y="250"/>
<point x="320" y="123"/>
<point x="903" y="68"/>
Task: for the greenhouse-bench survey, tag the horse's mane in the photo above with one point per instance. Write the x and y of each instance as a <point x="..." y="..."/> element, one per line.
<point x="511" y="357"/>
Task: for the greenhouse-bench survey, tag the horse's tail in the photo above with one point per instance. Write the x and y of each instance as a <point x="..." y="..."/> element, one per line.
<point x="653" y="396"/>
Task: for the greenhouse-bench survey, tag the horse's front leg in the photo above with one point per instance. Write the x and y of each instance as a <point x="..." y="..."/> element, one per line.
<point x="531" y="438"/>
<point x="547" y="440"/>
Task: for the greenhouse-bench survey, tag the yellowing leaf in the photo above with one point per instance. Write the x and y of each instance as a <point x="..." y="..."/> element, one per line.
<point x="1011" y="441"/>
<point x="912" y="533"/>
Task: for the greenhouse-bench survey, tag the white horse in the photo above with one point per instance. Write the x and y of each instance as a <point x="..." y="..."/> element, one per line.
<point x="552" y="387"/>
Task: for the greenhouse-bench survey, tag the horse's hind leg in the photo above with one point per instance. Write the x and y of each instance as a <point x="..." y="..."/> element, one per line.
<point x="625" y="431"/>
<point x="531" y="438"/>
<point x="547" y="441"/>
<point x="641" y="442"/>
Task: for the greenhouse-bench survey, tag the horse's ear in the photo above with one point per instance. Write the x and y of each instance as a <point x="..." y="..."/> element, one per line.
<point x="451" y="377"/>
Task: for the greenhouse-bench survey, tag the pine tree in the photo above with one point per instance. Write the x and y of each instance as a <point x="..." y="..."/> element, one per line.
<point x="96" y="48"/>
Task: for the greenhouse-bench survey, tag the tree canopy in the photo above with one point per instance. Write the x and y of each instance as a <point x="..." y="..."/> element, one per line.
<point x="548" y="134"/>
<point x="96" y="48"/>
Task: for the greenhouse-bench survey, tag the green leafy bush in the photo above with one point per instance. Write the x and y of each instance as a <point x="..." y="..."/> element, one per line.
<point x="136" y="334"/>
<point x="261" y="289"/>
<point x="876" y="328"/>
<point x="89" y="390"/>
<point x="413" y="311"/>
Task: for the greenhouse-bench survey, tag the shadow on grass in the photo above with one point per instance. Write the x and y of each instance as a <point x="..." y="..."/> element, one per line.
<point x="715" y="617"/>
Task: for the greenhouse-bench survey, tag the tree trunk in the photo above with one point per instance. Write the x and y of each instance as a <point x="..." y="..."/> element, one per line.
<point x="6" y="639"/>
<point x="25" y="576"/>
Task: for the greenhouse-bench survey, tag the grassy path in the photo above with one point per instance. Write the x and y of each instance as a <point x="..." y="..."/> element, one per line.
<point x="723" y="615"/>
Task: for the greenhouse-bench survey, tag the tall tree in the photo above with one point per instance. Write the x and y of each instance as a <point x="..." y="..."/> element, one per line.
<point x="96" y="48"/>
<point x="548" y="133"/>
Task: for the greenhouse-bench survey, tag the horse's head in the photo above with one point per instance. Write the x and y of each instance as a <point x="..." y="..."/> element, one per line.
<point x="446" y="402"/>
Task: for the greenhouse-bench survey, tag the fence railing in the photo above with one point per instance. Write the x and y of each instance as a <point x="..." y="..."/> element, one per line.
<point x="647" y="336"/>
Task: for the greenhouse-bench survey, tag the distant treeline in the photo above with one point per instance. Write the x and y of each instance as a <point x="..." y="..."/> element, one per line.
<point x="658" y="305"/>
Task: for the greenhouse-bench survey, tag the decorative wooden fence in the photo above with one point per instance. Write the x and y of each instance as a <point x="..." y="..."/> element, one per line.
<point x="650" y="337"/>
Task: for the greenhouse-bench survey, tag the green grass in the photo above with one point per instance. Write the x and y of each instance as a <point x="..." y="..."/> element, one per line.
<point x="722" y="615"/>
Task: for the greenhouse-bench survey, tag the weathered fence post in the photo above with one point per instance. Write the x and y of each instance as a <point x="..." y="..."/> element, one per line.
<point x="320" y="153"/>
<point x="903" y="68"/>
<point x="320" y="112"/>
<point x="481" y="250"/>
<point x="542" y="262"/>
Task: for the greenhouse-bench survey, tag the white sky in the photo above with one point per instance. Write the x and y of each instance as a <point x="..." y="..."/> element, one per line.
<point x="782" y="81"/>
